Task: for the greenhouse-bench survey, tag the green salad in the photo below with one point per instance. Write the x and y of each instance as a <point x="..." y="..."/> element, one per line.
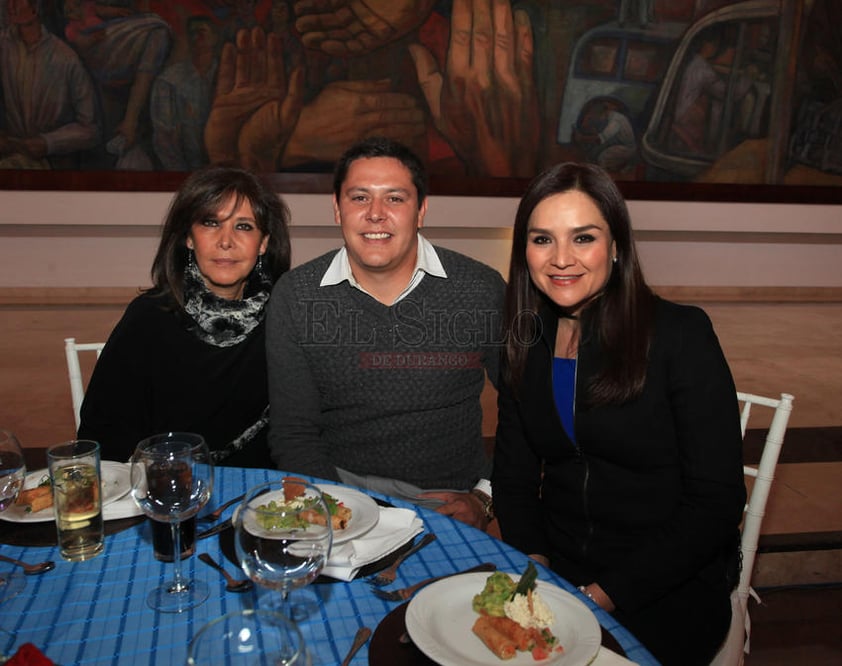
<point x="298" y="513"/>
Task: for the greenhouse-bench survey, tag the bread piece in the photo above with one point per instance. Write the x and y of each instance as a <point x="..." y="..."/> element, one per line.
<point x="36" y="499"/>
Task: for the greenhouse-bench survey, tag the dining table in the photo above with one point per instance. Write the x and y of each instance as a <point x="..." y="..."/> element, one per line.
<point x="95" y="611"/>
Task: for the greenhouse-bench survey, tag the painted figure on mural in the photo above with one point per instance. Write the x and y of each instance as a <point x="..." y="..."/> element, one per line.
<point x="702" y="92"/>
<point x="181" y="100"/>
<point x="607" y="137"/>
<point x="101" y="30"/>
<point x="48" y="104"/>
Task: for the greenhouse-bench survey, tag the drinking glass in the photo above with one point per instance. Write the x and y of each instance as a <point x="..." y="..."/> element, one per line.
<point x="12" y="473"/>
<point x="248" y="638"/>
<point x="77" y="498"/>
<point x="283" y="535"/>
<point x="172" y="479"/>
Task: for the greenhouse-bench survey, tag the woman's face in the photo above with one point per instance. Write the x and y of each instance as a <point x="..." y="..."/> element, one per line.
<point x="569" y="250"/>
<point x="226" y="246"/>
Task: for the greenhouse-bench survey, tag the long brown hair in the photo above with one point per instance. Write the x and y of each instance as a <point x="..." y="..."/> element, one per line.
<point x="620" y="319"/>
<point x="200" y="196"/>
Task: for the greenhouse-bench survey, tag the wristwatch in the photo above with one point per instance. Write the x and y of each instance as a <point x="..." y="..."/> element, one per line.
<point x="487" y="503"/>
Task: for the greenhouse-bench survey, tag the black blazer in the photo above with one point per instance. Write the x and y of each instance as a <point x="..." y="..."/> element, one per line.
<point x="652" y="491"/>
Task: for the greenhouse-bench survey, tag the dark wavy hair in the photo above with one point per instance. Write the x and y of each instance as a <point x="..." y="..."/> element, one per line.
<point x="200" y="196"/>
<point x="379" y="146"/>
<point x="620" y="318"/>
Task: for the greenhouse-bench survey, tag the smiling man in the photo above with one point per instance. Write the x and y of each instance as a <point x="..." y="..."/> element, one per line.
<point x="378" y="352"/>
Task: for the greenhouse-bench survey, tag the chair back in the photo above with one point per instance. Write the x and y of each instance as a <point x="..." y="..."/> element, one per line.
<point x="737" y="643"/>
<point x="74" y="370"/>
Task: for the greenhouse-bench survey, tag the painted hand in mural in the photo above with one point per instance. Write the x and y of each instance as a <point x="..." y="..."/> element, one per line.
<point x="345" y="111"/>
<point x="352" y="27"/>
<point x="255" y="108"/>
<point x="485" y="102"/>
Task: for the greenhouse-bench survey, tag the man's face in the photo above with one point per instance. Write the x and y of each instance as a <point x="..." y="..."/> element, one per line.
<point x="21" y="12"/>
<point x="379" y="213"/>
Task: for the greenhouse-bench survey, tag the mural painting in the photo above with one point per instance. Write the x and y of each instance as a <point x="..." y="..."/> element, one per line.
<point x="655" y="91"/>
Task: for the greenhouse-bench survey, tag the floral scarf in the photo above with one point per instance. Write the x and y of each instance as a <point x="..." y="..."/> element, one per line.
<point x="225" y="323"/>
<point x="219" y="321"/>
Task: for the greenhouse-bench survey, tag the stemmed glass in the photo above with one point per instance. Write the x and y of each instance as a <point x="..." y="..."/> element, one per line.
<point x="12" y="473"/>
<point x="252" y="637"/>
<point x="172" y="479"/>
<point x="283" y="535"/>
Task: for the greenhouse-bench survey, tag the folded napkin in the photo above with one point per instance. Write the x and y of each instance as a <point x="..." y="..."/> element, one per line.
<point x="606" y="657"/>
<point x="125" y="507"/>
<point x="28" y="655"/>
<point x="394" y="528"/>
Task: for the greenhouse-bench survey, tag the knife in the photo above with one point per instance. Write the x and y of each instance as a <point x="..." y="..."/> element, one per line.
<point x="216" y="529"/>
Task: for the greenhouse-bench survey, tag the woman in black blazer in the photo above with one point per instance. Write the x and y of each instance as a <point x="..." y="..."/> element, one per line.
<point x="618" y="460"/>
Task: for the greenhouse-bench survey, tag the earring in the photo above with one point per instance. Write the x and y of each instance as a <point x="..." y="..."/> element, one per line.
<point x="614" y="259"/>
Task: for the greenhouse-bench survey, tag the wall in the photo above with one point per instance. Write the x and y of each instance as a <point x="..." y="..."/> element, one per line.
<point x="107" y="239"/>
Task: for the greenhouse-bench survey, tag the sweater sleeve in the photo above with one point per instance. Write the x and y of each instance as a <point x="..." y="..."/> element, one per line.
<point x="295" y="441"/>
<point x="116" y="407"/>
<point x="704" y="410"/>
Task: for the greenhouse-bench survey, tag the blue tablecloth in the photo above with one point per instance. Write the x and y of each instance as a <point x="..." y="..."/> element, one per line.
<point x="95" y="612"/>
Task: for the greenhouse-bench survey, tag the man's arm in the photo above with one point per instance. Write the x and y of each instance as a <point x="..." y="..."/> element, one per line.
<point x="295" y="442"/>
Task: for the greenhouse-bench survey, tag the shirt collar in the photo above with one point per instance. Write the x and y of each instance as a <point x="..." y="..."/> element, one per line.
<point x="427" y="262"/>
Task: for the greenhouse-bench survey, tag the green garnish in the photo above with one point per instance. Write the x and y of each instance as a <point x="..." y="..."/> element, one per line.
<point x="527" y="580"/>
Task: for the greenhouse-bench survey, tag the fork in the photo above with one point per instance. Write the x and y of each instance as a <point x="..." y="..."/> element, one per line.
<point x="214" y="515"/>
<point x="405" y="593"/>
<point x="387" y="576"/>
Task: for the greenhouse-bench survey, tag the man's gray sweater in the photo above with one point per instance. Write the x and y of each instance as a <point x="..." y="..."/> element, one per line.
<point x="392" y="391"/>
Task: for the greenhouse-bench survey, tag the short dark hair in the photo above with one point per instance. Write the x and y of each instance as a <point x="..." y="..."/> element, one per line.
<point x="380" y="146"/>
<point x="620" y="318"/>
<point x="201" y="195"/>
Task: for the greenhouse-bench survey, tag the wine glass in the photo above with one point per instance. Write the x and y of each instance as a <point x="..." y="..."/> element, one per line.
<point x="12" y="473"/>
<point x="283" y="535"/>
<point x="252" y="637"/>
<point x="172" y="479"/>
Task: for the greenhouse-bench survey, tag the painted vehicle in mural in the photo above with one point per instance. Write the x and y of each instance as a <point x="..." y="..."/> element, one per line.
<point x="618" y="65"/>
<point x="739" y="101"/>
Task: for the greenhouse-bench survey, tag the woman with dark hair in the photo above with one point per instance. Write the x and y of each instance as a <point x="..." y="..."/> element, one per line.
<point x="618" y="460"/>
<point x="189" y="354"/>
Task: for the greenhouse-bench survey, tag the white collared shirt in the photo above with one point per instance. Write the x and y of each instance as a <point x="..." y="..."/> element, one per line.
<point x="427" y="262"/>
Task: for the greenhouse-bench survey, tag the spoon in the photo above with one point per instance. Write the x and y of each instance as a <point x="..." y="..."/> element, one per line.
<point x="232" y="584"/>
<point x="30" y="569"/>
<point x="362" y="636"/>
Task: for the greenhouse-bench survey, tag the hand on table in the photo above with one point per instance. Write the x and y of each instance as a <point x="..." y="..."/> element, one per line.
<point x="485" y="102"/>
<point x="255" y="108"/>
<point x="462" y="506"/>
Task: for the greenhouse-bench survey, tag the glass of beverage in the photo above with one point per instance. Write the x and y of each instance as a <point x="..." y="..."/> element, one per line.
<point x="12" y="473"/>
<point x="283" y="535"/>
<point x="172" y="479"/>
<point x="162" y="544"/>
<point x="77" y="498"/>
<point x="248" y="637"/>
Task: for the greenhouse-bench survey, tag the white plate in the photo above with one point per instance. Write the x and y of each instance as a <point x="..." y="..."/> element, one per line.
<point x="116" y="483"/>
<point x="439" y="620"/>
<point x="364" y="512"/>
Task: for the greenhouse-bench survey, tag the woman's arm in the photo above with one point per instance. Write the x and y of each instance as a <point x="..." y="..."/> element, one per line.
<point x="516" y="482"/>
<point x="705" y="416"/>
